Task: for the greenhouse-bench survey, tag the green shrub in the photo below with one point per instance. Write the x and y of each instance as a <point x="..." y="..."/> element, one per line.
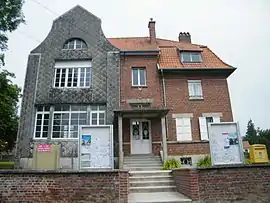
<point x="6" y="165"/>
<point x="171" y="164"/>
<point x="204" y="162"/>
<point x="247" y="161"/>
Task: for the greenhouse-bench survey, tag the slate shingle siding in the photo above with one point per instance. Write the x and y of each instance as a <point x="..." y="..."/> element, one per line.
<point x="38" y="89"/>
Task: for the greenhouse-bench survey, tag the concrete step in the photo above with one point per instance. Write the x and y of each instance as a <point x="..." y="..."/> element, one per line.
<point x="141" y="157"/>
<point x="150" y="178"/>
<point x="150" y="173"/>
<point x="151" y="189"/>
<point x="151" y="183"/>
<point x="157" y="164"/>
<point x="160" y="197"/>
<point x="142" y="161"/>
<point x="144" y="168"/>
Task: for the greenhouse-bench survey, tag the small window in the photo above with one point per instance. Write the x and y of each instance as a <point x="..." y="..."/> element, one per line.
<point x="195" y="89"/>
<point x="186" y="161"/>
<point x="42" y="122"/>
<point x="98" y="114"/>
<point x="75" y="44"/>
<point x="138" y="77"/>
<point x="191" y="57"/>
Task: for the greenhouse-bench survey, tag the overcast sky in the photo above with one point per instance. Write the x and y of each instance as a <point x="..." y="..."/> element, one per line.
<point x="237" y="31"/>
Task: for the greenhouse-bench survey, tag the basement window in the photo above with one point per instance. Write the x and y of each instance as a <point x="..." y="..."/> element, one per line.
<point x="186" y="161"/>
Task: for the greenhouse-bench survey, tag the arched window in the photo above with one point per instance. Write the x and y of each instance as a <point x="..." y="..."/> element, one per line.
<point x="75" y="43"/>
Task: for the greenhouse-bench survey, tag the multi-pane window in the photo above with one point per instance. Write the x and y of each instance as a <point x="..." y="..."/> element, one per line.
<point x="75" y="44"/>
<point x="191" y="57"/>
<point x="42" y="122"/>
<point x="66" y="120"/>
<point x="97" y="115"/>
<point x="195" y="89"/>
<point x="138" y="77"/>
<point x="72" y="74"/>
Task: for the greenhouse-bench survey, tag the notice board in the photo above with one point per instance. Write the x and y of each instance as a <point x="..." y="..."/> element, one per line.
<point x="226" y="145"/>
<point x="96" y="147"/>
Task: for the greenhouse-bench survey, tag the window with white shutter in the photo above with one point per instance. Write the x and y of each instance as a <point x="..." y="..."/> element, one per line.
<point x="195" y="89"/>
<point x="203" y="122"/>
<point x="183" y="129"/>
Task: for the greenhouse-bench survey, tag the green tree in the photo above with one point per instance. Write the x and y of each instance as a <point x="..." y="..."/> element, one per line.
<point x="10" y="17"/>
<point x="251" y="134"/>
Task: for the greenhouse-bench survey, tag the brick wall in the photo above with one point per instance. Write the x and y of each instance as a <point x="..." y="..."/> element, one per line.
<point x="240" y="183"/>
<point x="40" y="186"/>
<point x="188" y="148"/>
<point x="186" y="181"/>
<point x="215" y="99"/>
<point x="153" y="89"/>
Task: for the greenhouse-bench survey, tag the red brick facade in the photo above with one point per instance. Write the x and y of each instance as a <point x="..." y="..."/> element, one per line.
<point x="56" y="186"/>
<point x="153" y="87"/>
<point x="243" y="183"/>
<point x="215" y="99"/>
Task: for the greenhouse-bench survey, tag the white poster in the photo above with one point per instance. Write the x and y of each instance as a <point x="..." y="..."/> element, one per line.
<point x="96" y="147"/>
<point x="225" y="143"/>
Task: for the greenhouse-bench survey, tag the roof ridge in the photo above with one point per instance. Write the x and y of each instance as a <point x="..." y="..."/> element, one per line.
<point x="125" y="37"/>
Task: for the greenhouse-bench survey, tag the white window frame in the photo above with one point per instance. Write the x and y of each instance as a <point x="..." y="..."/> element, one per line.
<point x="203" y="124"/>
<point x="183" y="129"/>
<point x="190" y="57"/>
<point x="70" y="66"/>
<point x="192" y="85"/>
<point x="138" y="76"/>
<point x="69" y="112"/>
<point x="43" y="112"/>
<point x="76" y="40"/>
<point x="98" y="112"/>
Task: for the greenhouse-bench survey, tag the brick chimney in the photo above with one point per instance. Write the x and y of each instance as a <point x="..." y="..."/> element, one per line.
<point x="152" y="31"/>
<point x="184" y="37"/>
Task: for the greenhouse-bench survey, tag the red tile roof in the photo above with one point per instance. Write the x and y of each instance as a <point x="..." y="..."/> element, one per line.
<point x="246" y="145"/>
<point x="169" y="52"/>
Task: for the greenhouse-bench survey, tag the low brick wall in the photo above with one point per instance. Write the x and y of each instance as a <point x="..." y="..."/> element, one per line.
<point x="64" y="187"/>
<point x="242" y="183"/>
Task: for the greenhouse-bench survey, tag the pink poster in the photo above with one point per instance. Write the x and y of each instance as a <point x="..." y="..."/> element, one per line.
<point x="44" y="148"/>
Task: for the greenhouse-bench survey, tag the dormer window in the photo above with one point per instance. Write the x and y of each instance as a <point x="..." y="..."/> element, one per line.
<point x="75" y="44"/>
<point x="191" y="57"/>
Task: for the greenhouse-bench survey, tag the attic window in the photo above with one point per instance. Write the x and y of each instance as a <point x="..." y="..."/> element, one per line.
<point x="191" y="57"/>
<point x="75" y="44"/>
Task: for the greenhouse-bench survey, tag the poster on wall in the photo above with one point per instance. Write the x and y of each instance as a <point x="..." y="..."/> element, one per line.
<point x="225" y="143"/>
<point x="96" y="147"/>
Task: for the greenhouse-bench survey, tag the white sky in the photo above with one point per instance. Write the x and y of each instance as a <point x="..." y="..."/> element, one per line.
<point x="237" y="31"/>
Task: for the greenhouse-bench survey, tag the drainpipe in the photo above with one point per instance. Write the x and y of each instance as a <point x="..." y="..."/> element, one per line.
<point x="164" y="102"/>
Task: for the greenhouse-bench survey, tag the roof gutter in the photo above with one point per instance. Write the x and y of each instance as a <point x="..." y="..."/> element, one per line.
<point x="202" y="71"/>
<point x="139" y="52"/>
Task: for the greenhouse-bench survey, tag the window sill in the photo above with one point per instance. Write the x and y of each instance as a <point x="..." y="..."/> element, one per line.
<point x="196" y="98"/>
<point x="72" y="87"/>
<point x="188" y="142"/>
<point x="139" y="86"/>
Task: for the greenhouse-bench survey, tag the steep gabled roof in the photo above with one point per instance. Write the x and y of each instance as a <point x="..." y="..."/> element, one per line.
<point x="169" y="52"/>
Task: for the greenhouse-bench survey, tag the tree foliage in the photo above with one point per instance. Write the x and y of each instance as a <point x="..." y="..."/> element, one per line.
<point x="258" y="136"/>
<point x="10" y="17"/>
<point x="9" y="97"/>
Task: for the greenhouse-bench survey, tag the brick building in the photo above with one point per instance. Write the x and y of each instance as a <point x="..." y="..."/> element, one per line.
<point x="159" y="94"/>
<point x="169" y="91"/>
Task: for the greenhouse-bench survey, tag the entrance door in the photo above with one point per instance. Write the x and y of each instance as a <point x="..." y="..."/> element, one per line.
<point x="140" y="137"/>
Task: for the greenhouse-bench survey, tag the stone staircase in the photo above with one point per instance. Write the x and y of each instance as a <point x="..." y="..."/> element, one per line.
<point x="147" y="183"/>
